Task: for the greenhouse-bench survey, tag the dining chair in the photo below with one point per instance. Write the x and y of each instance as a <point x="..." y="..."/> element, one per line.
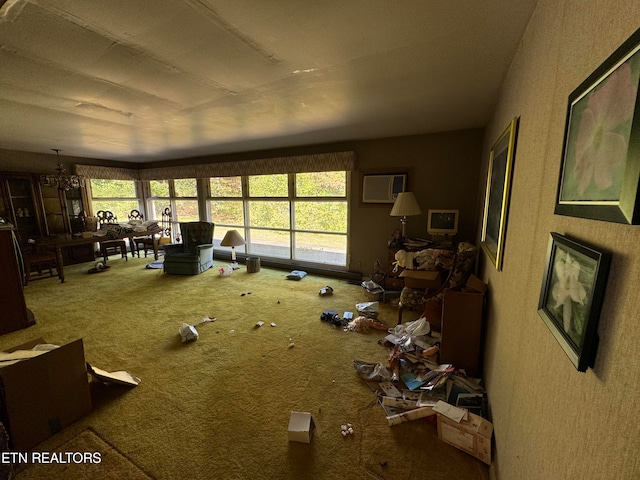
<point x="110" y="245"/>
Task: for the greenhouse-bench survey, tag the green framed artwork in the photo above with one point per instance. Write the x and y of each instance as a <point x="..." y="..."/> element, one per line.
<point x="600" y="170"/>
<point x="496" y="203"/>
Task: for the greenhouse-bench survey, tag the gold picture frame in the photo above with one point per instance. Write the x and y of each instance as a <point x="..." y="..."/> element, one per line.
<point x="496" y="202"/>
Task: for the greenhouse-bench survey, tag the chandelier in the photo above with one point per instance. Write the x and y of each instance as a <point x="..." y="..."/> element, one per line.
<point x="60" y="180"/>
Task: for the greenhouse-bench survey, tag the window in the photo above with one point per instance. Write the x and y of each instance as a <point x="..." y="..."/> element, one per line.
<point x="299" y="216"/>
<point x="116" y="196"/>
<point x="227" y="208"/>
<point x="180" y="195"/>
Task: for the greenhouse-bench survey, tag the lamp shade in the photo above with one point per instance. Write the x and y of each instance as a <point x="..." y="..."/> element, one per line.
<point x="232" y="239"/>
<point x="405" y="205"/>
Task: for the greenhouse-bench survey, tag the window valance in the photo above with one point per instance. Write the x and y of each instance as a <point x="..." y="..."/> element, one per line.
<point x="318" y="162"/>
<point x="107" y="173"/>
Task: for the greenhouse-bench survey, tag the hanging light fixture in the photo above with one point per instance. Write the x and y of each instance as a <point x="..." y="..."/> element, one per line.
<point x="60" y="180"/>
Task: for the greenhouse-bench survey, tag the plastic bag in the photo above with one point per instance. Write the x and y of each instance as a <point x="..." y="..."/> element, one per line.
<point x="375" y="372"/>
<point x="418" y="327"/>
<point x="368" y="309"/>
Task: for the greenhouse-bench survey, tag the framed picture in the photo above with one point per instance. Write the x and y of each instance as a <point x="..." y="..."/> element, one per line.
<point x="496" y="202"/>
<point x="571" y="297"/>
<point x="600" y="169"/>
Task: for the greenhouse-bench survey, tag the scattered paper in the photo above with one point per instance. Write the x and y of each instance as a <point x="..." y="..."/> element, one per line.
<point x="20" y="355"/>
<point x="121" y="378"/>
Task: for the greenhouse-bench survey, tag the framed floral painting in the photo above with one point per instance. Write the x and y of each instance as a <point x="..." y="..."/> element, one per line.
<point x="571" y="297"/>
<point x="600" y="170"/>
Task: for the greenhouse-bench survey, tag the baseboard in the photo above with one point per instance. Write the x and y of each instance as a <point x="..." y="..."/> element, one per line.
<point x="313" y="269"/>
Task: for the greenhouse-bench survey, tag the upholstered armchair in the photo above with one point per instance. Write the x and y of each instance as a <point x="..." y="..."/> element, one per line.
<point x="430" y="302"/>
<point x="195" y="254"/>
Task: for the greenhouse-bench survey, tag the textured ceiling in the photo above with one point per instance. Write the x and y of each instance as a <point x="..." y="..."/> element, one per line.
<point x="160" y="79"/>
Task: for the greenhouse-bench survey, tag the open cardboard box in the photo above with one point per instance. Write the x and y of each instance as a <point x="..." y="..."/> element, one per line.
<point x="472" y="435"/>
<point x="43" y="394"/>
<point x="421" y="279"/>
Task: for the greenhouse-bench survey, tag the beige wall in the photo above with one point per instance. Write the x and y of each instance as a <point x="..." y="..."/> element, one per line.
<point x="443" y="172"/>
<point x="552" y="422"/>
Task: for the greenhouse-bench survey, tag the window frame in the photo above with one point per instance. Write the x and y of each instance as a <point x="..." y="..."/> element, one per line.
<point x="138" y="198"/>
<point x="292" y="199"/>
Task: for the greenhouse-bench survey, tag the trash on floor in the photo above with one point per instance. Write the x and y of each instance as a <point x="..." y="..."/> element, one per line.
<point x="332" y="318"/>
<point x="364" y="324"/>
<point x="325" y="291"/>
<point x="415" y="385"/>
<point x="302" y="426"/>
<point x="346" y="429"/>
<point x="99" y="267"/>
<point x="225" y="271"/>
<point x="296" y="275"/>
<point x="372" y="290"/>
<point x="119" y="378"/>
<point x="368" y="309"/>
<point x="188" y="333"/>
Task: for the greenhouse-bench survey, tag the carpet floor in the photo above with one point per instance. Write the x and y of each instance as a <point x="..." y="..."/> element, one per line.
<point x="70" y="461"/>
<point x="219" y="407"/>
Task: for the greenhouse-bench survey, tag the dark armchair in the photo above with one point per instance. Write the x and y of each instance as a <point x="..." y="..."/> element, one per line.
<point x="195" y="254"/>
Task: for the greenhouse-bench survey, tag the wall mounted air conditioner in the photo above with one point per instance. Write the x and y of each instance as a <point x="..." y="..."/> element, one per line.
<point x="383" y="188"/>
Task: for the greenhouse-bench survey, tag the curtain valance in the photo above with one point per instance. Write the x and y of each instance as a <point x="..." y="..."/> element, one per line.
<point x="317" y="162"/>
<point x="107" y="173"/>
<point x="320" y="162"/>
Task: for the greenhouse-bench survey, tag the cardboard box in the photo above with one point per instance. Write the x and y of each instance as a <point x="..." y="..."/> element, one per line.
<point x="475" y="284"/>
<point x="421" y="279"/>
<point x="472" y="435"/>
<point x="43" y="394"/>
<point x="301" y="427"/>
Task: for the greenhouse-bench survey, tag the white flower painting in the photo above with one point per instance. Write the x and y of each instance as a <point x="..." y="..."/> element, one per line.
<point x="569" y="294"/>
<point x="572" y="294"/>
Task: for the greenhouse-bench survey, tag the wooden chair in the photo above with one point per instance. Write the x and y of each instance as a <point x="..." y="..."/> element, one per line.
<point x="110" y="246"/>
<point x="40" y="262"/>
<point x="135" y="215"/>
<point x="143" y="242"/>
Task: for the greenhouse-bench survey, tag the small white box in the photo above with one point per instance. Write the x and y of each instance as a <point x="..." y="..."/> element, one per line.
<point x="301" y="427"/>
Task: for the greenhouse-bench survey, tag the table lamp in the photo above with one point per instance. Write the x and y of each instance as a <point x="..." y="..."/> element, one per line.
<point x="405" y="206"/>
<point x="232" y="239"/>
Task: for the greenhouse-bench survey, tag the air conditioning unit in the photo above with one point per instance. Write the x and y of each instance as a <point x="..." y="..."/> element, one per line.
<point x="383" y="188"/>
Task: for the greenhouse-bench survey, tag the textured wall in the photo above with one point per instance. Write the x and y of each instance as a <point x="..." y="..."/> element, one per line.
<point x="444" y="170"/>
<point x="552" y="422"/>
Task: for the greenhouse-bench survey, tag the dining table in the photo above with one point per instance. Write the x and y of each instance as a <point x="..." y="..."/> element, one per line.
<point x="58" y="242"/>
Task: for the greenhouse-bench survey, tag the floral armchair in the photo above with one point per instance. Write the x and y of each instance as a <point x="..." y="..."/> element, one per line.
<point x="195" y="254"/>
<point x="430" y="302"/>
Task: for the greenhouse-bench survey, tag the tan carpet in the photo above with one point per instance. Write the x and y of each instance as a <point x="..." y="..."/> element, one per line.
<point x="104" y="462"/>
<point x="219" y="407"/>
